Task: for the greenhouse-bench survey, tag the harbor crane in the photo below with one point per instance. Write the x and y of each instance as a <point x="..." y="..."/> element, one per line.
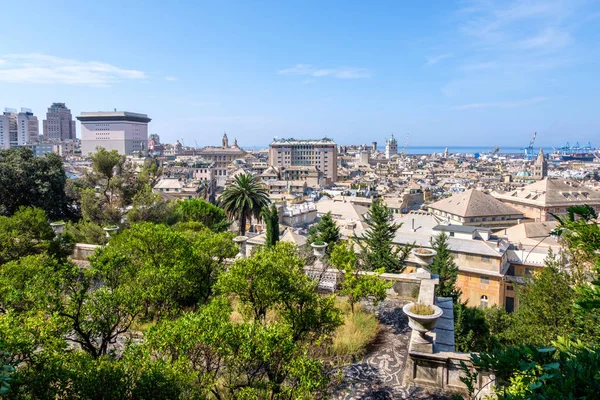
<point x="529" y="149"/>
<point x="403" y="152"/>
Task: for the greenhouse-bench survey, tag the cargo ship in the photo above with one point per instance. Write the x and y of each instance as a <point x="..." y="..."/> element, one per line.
<point x="576" y="153"/>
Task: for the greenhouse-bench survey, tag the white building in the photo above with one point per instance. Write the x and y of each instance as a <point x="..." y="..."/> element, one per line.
<point x="18" y="129"/>
<point x="123" y="131"/>
<point x="285" y="153"/>
<point x="391" y="147"/>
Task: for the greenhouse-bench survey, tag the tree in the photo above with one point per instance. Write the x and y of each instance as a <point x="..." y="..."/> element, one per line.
<point x="269" y="215"/>
<point x="244" y="199"/>
<point x="377" y="249"/>
<point x="444" y="266"/>
<point x="545" y="309"/>
<point x="326" y="231"/>
<point x="273" y="279"/>
<point x="104" y="164"/>
<point x="149" y="207"/>
<point x="357" y="284"/>
<point x="198" y="210"/>
<point x="30" y="181"/>
<point x="471" y="329"/>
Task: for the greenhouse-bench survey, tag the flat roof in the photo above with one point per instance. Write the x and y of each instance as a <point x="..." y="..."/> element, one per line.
<point x="460" y="228"/>
<point x="295" y="142"/>
<point x="113" y="116"/>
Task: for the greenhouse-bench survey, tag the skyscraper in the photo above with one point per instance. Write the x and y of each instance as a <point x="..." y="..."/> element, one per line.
<point x="18" y="129"/>
<point x="59" y="123"/>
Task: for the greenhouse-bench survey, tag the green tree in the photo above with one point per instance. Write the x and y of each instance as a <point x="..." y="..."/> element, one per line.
<point x="444" y="266"/>
<point x="29" y="181"/>
<point x="271" y="219"/>
<point x="471" y="329"/>
<point x="377" y="249"/>
<point x="85" y="231"/>
<point x="244" y="199"/>
<point x="149" y="207"/>
<point x="104" y="164"/>
<point x="326" y="231"/>
<point x="198" y="210"/>
<point x="357" y="284"/>
<point x="273" y="279"/>
<point x="545" y="309"/>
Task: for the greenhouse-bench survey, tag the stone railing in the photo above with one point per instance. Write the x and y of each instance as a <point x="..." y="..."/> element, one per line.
<point x="437" y="365"/>
<point x="83" y="251"/>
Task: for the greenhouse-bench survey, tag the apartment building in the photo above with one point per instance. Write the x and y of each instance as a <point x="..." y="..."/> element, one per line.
<point x="59" y="124"/>
<point x="18" y="128"/>
<point x="322" y="154"/>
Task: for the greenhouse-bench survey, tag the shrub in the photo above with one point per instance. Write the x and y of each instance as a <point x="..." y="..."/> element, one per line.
<point x="421" y="309"/>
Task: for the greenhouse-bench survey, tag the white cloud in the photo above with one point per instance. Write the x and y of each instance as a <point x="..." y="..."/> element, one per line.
<point x="171" y="78"/>
<point x="507" y="104"/>
<point x="478" y="66"/>
<point x="549" y="38"/>
<point x="40" y="68"/>
<point x="340" y="73"/>
<point x="436" y="59"/>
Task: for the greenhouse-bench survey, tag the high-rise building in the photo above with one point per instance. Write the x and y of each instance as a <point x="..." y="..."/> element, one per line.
<point x="18" y="129"/>
<point x="59" y="124"/>
<point x="391" y="147"/>
<point x="284" y="153"/>
<point x="374" y="147"/>
<point x="123" y="131"/>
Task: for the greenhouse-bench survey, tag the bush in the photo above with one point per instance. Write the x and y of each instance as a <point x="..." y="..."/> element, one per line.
<point x="421" y="309"/>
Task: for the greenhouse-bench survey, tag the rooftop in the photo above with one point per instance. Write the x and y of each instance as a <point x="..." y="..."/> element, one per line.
<point x="552" y="192"/>
<point x="113" y="116"/>
<point x="473" y="203"/>
<point x="296" y="142"/>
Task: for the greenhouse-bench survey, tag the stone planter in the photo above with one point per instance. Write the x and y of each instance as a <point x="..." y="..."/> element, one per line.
<point x="57" y="227"/>
<point x="319" y="249"/>
<point x="110" y="230"/>
<point x="423" y="256"/>
<point x="422" y="323"/>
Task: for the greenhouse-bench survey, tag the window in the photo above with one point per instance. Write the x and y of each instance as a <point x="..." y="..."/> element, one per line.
<point x="451" y="234"/>
<point x="484" y="280"/>
<point x="528" y="271"/>
<point x="483" y="302"/>
<point x="509" y="288"/>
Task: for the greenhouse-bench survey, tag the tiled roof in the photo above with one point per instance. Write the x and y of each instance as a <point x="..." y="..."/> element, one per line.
<point x="473" y="203"/>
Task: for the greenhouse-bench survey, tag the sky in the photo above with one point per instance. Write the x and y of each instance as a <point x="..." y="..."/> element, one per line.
<point x="444" y="73"/>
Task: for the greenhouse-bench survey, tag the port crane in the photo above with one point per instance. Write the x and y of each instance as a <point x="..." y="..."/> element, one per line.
<point x="529" y="149"/>
<point x="403" y="152"/>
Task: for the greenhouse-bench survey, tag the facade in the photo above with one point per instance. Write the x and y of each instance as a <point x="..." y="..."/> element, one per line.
<point x="322" y="154"/>
<point x="123" y="131"/>
<point x="59" y="124"/>
<point x="222" y="157"/>
<point x="391" y="147"/>
<point x="540" y="200"/>
<point x="18" y="128"/>
<point x="475" y="208"/>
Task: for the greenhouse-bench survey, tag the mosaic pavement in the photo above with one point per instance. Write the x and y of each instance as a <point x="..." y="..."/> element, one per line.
<point x="379" y="375"/>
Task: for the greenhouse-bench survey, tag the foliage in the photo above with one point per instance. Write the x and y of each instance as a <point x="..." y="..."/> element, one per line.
<point x="198" y="210"/>
<point x="149" y="207"/>
<point x="471" y="329"/>
<point x="357" y="284"/>
<point x="28" y="232"/>
<point x="274" y="279"/>
<point x="377" y="249"/>
<point x="325" y="231"/>
<point x="444" y="266"/>
<point x="85" y="231"/>
<point x="421" y="309"/>
<point x="545" y="309"/>
<point x="568" y="369"/>
<point x="29" y="181"/>
<point x="244" y="199"/>
<point x="271" y="219"/>
<point x="358" y="330"/>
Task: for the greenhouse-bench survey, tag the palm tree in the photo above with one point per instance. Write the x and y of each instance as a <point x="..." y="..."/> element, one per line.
<point x="244" y="199"/>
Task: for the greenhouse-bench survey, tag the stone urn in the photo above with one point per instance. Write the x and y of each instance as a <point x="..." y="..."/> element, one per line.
<point x="57" y="227"/>
<point x="241" y="241"/>
<point x="423" y="256"/>
<point x="110" y="230"/>
<point x="422" y="323"/>
<point x="319" y="249"/>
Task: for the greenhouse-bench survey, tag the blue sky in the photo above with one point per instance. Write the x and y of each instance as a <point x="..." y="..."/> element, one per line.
<point x="448" y="73"/>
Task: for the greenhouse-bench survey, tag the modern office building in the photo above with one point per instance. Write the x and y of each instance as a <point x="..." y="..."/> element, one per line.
<point x="59" y="124"/>
<point x="285" y="153"/>
<point x="123" y="131"/>
<point x="391" y="147"/>
<point x="18" y="128"/>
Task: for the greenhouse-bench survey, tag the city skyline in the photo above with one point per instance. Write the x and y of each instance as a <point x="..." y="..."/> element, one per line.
<point x="452" y="74"/>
